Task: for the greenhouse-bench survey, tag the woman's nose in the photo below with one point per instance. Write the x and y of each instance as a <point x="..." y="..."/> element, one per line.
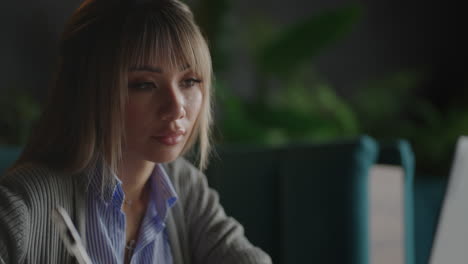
<point x="173" y="106"/>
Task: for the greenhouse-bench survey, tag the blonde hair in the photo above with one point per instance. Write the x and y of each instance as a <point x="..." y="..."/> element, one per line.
<point x="83" y="122"/>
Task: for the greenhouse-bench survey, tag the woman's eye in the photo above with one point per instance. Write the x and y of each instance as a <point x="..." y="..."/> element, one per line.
<point x="142" y="86"/>
<point x="190" y="82"/>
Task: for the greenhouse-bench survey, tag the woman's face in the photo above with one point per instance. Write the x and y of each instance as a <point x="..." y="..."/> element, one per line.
<point x="161" y="110"/>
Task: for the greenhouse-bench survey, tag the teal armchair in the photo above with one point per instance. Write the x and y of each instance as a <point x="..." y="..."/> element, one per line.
<point x="399" y="153"/>
<point x="429" y="195"/>
<point x="422" y="202"/>
<point x="7" y="156"/>
<point x="303" y="203"/>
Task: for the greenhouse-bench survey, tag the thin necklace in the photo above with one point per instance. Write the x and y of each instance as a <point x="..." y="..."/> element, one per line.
<point x="128" y="201"/>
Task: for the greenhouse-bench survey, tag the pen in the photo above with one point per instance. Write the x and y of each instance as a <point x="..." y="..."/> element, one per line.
<point x="70" y="236"/>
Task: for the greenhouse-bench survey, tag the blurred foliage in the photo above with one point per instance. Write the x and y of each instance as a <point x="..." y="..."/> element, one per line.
<point x="293" y="114"/>
<point x="291" y="102"/>
<point x="296" y="45"/>
<point x="390" y="107"/>
<point x="19" y="112"/>
<point x="305" y="108"/>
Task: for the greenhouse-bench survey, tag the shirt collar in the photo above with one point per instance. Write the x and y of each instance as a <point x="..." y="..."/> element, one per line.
<point x="163" y="195"/>
<point x="103" y="191"/>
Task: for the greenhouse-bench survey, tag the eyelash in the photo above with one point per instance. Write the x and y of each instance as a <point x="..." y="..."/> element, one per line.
<point x="193" y="82"/>
<point x="144" y="86"/>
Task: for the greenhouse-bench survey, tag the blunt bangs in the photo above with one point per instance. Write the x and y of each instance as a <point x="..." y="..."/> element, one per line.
<point x="153" y="37"/>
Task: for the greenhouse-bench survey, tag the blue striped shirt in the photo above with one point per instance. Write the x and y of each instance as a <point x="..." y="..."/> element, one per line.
<point x="105" y="222"/>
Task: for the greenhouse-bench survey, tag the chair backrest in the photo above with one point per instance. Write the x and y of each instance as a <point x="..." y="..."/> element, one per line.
<point x="247" y="179"/>
<point x="429" y="193"/>
<point x="399" y="152"/>
<point x="301" y="204"/>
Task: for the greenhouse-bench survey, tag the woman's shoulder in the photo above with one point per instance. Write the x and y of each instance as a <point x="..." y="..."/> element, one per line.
<point x="182" y="170"/>
<point x="183" y="174"/>
<point x="28" y="193"/>
<point x="32" y="178"/>
<point x="29" y="171"/>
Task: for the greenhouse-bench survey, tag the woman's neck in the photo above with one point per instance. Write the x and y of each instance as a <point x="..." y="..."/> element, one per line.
<point x="134" y="174"/>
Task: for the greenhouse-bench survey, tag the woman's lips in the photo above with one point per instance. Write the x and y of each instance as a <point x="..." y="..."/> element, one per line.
<point x="170" y="139"/>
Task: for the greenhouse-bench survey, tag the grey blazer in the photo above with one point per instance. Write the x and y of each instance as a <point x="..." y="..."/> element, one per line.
<point x="199" y="230"/>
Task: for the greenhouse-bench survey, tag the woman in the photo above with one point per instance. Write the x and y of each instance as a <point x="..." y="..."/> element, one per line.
<point x="131" y="96"/>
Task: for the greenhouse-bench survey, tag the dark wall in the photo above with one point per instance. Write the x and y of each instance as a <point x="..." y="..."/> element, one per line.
<point x="28" y="42"/>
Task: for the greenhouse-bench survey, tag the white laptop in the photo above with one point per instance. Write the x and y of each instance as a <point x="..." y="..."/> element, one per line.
<point x="451" y="240"/>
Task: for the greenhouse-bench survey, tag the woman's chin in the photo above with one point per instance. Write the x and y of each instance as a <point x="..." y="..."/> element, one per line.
<point x="163" y="156"/>
<point x="156" y="152"/>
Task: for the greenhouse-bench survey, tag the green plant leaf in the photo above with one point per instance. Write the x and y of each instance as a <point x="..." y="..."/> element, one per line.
<point x="302" y="41"/>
